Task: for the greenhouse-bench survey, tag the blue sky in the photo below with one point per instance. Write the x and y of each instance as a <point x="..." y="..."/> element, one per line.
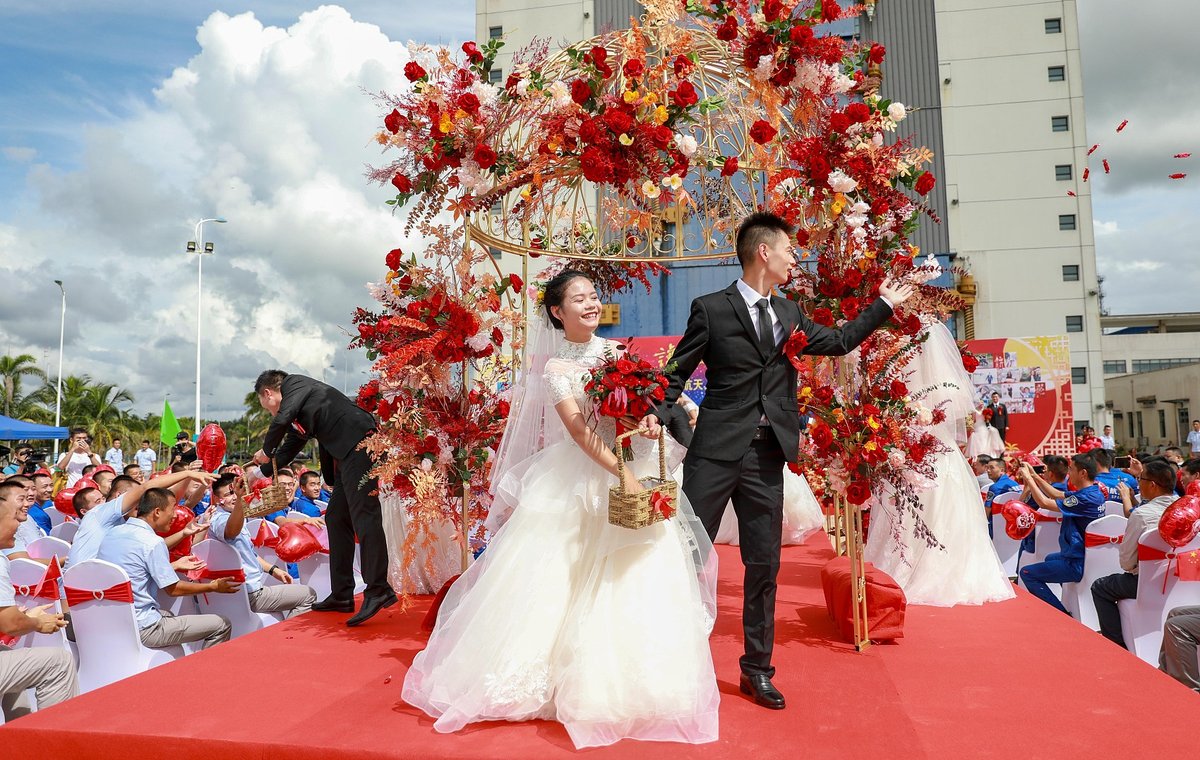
<point x="122" y="122"/>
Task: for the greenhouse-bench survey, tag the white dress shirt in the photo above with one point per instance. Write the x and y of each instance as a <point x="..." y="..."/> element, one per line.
<point x="94" y="524"/>
<point x="135" y="548"/>
<point x="752" y="297"/>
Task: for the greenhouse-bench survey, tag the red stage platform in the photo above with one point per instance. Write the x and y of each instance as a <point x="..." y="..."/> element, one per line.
<point x="1009" y="680"/>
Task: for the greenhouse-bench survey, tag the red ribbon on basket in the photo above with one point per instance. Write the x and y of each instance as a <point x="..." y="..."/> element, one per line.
<point x="663" y="504"/>
<point x="121" y="592"/>
<point x="1092" y="540"/>
<point x="47" y="587"/>
<point x="264" y="536"/>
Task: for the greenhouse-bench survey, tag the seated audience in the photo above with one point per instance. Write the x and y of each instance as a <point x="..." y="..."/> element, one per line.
<point x="43" y="499"/>
<point x="1001" y="482"/>
<point x="28" y="531"/>
<point x="1109" y="477"/>
<point x="286" y="479"/>
<point x="310" y="494"/>
<point x="229" y="526"/>
<point x="134" y="471"/>
<point x="1177" y="658"/>
<point x="1158" y="492"/>
<point x="136" y="549"/>
<point x="979" y="467"/>
<point x="1079" y="507"/>
<point x="49" y="671"/>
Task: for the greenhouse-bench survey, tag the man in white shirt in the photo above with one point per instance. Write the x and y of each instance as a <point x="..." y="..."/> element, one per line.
<point x="1106" y="439"/>
<point x="28" y="531"/>
<point x="114" y="457"/>
<point x="1193" y="439"/>
<point x="145" y="458"/>
<point x="136" y="548"/>
<point x="979" y="466"/>
<point x="50" y="671"/>
<point x="1158" y="492"/>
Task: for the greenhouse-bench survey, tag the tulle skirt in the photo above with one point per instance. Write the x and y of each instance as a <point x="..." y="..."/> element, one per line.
<point x="567" y="618"/>
<point x="985" y="439"/>
<point x="801" y="514"/>
<point x="967" y="570"/>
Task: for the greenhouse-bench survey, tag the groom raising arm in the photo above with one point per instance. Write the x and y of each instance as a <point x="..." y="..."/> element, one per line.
<point x="749" y="425"/>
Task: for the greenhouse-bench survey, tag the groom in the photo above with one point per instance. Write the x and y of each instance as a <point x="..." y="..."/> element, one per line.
<point x="749" y="425"/>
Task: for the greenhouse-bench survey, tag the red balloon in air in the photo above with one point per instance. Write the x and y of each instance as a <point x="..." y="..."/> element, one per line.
<point x="63" y="502"/>
<point x="1180" y="523"/>
<point x="210" y="446"/>
<point x="1019" y="519"/>
<point x="183" y="516"/>
<point x="297" y="543"/>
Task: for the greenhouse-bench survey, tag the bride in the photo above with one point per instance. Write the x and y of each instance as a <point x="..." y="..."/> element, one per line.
<point x="801" y="513"/>
<point x="565" y="617"/>
<point x="967" y="570"/>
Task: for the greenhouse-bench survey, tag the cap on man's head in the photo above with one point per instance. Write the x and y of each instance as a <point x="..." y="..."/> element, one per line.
<point x="181" y="436"/>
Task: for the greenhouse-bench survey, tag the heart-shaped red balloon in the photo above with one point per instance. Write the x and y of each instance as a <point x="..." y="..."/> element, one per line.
<point x="1192" y="489"/>
<point x="1019" y="519"/>
<point x="297" y="543"/>
<point x="1180" y="522"/>
<point x="210" y="446"/>
<point x="182" y="517"/>
<point x="64" y="502"/>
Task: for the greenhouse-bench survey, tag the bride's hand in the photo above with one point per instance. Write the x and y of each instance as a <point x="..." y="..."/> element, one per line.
<point x="631" y="483"/>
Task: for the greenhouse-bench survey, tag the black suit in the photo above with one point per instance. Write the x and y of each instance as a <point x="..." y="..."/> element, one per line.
<point x="729" y="458"/>
<point x="1000" y="420"/>
<point x="312" y="409"/>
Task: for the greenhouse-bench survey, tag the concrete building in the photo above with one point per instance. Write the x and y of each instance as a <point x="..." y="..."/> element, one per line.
<point x="999" y="90"/>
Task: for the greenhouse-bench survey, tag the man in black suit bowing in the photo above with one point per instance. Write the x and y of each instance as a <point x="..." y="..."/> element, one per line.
<point x="304" y="408"/>
<point x="749" y="424"/>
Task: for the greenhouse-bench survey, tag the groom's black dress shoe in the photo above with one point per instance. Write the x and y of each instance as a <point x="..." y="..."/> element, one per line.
<point x="370" y="606"/>
<point x="763" y="691"/>
<point x="332" y="604"/>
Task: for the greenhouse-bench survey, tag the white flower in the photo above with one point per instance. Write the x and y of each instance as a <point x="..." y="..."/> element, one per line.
<point x="896" y="458"/>
<point x="673" y="182"/>
<point x="687" y="144"/>
<point x="897" y="112"/>
<point x="758" y="17"/>
<point x="924" y="415"/>
<point x="479" y="341"/>
<point x="487" y="94"/>
<point x="473" y="178"/>
<point x="560" y="93"/>
<point x="650" y="189"/>
<point x="877" y="139"/>
<point x="522" y="87"/>
<point x="859" y="234"/>
<point x="842" y="83"/>
<point x="426" y="465"/>
<point x="840" y="183"/>
<point x="787" y="186"/>
<point x="762" y="71"/>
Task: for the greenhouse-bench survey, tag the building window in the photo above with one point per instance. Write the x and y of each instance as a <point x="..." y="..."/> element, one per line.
<point x="1079" y="375"/>
<point x="1116" y="367"/>
<point x="1062" y="172"/>
<point x="1141" y="432"/>
<point x="495" y="76"/>
<point x="1066" y="222"/>
<point x="1153" y="365"/>
<point x="1070" y="273"/>
<point x="1131" y="425"/>
<point x="495" y="32"/>
<point x="1054" y="26"/>
<point x="1060" y="123"/>
<point x="1162" y="423"/>
<point x="1074" y="323"/>
<point x="1056" y="73"/>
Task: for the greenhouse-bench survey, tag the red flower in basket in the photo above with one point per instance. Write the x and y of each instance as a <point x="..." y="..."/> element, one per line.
<point x="794" y="347"/>
<point x="624" y="388"/>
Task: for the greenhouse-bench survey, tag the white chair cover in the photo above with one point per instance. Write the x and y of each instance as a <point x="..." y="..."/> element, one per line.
<point x="1114" y="508"/>
<point x="65" y="530"/>
<point x="233" y="607"/>
<point x="1098" y="561"/>
<point x="1142" y="619"/>
<point x="1007" y="548"/>
<point x="49" y="546"/>
<point x="1045" y="543"/>
<point x="26" y="573"/>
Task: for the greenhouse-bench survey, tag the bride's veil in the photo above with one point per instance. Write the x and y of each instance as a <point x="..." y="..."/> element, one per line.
<point x="938" y="367"/>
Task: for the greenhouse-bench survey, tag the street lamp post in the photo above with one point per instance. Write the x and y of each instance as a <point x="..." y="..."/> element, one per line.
<point x="200" y="248"/>
<point x="62" y="331"/>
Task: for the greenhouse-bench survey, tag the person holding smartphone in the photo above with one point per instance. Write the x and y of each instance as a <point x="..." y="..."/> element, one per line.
<point x="79" y="456"/>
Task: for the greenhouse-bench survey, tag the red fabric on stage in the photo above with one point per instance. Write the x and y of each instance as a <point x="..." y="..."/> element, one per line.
<point x="935" y="694"/>
<point x="885" y="601"/>
<point x="430" y="620"/>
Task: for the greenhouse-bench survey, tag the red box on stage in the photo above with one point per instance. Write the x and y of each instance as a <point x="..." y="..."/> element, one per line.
<point x="885" y="601"/>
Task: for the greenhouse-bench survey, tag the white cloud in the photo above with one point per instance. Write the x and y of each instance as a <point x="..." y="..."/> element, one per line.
<point x="1104" y="228"/>
<point x="19" y="154"/>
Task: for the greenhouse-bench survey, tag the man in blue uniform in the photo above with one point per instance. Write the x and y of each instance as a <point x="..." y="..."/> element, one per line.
<point x="1079" y="507"/>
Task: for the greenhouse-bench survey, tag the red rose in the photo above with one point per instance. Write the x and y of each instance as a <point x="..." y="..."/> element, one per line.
<point x="513" y="80"/>
<point x="596" y="165"/>
<point x="730" y="167"/>
<point x="402" y="183"/>
<point x="800" y="34"/>
<point x="618" y="120"/>
<point x="682" y="65"/>
<point x="727" y="31"/>
<point x="822" y="316"/>
<point x="515" y="281"/>
<point x="970" y="363"/>
<point x="831" y="11"/>
<point x="852" y="278"/>
<point x="823" y="395"/>
<point x="821" y="436"/>
<point x="472" y="51"/>
<point x="485" y="157"/>
<point x="857" y="492"/>
<point x="580" y="91"/>
<point x="858" y="112"/>
<point x="393" y="259"/>
<point x="762" y="132"/>
<point x="611" y="406"/>
<point x="794" y="347"/>
<point x="393" y="121"/>
<point x="413" y="71"/>
<point x="772" y="9"/>
<point x="925" y="183"/>
<point x="469" y="103"/>
<point x="802" y="238"/>
<point x="839" y="122"/>
<point x="634" y="68"/>
<point x="591" y="131"/>
<point x="624" y="366"/>
<point x="898" y="389"/>
<point x="851" y="307"/>
<point x="685" y="95"/>
<point x="876" y="53"/>
<point x="662" y="136"/>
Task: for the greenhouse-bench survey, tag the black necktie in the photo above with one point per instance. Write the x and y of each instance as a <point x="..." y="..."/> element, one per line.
<point x="766" y="336"/>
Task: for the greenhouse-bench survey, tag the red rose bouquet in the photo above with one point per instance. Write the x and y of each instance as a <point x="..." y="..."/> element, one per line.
<point x="626" y="387"/>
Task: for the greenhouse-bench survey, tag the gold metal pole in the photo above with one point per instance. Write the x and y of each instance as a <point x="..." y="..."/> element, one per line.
<point x="858" y="576"/>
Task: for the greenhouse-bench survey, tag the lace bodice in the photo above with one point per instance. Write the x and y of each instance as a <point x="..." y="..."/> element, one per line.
<point x="567" y="373"/>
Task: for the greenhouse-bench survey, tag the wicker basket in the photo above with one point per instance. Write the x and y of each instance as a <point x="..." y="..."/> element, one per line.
<point x="273" y="498"/>
<point x="634" y="510"/>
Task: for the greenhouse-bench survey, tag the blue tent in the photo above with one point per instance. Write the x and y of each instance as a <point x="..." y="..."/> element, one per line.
<point x="14" y="430"/>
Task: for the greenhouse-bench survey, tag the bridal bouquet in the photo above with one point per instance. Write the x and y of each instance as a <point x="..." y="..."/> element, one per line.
<point x="625" y="387"/>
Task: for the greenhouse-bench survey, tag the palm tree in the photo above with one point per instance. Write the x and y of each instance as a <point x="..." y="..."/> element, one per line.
<point x="12" y="369"/>
<point x="91" y="405"/>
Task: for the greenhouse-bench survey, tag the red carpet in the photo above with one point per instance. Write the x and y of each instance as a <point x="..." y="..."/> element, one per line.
<point x="1009" y="680"/>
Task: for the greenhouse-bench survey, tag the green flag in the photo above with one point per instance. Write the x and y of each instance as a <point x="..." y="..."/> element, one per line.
<point x="169" y="428"/>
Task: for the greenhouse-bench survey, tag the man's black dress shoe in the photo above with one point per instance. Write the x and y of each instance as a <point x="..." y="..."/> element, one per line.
<point x="370" y="606"/>
<point x="332" y="604"/>
<point x="763" y="691"/>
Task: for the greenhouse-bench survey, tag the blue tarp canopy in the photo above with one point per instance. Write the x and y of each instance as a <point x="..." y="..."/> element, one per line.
<point x="14" y="430"/>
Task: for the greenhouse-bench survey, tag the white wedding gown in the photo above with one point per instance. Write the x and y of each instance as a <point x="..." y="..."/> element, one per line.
<point x="967" y="570"/>
<point x="568" y="618"/>
<point x="801" y="513"/>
